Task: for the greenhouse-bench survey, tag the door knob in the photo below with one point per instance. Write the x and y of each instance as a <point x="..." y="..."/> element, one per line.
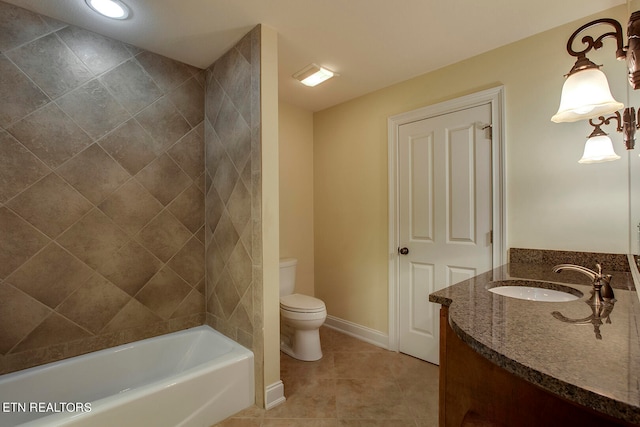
<point x="403" y="251"/>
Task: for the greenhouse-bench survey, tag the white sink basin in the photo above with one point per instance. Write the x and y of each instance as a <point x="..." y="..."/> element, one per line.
<point x="534" y="291"/>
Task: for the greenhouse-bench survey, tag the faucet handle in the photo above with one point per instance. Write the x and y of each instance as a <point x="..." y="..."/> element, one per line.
<point x="604" y="280"/>
<point x="607" y="290"/>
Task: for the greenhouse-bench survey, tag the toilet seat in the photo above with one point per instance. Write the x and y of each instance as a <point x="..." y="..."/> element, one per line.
<point x="299" y="303"/>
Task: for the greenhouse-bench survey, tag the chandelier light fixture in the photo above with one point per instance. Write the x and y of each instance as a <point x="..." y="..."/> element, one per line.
<point x="586" y="94"/>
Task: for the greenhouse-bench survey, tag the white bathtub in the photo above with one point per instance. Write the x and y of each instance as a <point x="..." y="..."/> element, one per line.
<point x="195" y="377"/>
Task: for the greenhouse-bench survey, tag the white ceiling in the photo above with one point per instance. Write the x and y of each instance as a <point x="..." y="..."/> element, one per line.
<point x="370" y="43"/>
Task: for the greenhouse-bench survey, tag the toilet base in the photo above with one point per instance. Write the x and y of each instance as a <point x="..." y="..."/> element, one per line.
<point x="302" y="345"/>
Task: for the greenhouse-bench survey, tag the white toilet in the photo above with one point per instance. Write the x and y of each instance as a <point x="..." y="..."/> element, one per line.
<point x="300" y="317"/>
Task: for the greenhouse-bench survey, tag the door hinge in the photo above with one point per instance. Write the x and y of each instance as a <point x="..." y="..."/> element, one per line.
<point x="491" y="237"/>
<point x="488" y="131"/>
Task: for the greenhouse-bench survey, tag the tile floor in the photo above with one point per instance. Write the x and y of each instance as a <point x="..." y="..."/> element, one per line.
<point x="354" y="384"/>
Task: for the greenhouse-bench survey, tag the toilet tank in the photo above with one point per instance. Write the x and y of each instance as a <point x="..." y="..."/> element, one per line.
<point x="287" y="275"/>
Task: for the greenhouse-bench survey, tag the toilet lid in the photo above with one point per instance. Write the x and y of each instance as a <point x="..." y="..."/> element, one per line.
<point x="301" y="303"/>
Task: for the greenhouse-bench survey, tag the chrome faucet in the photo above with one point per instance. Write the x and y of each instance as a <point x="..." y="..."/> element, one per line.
<point x="602" y="290"/>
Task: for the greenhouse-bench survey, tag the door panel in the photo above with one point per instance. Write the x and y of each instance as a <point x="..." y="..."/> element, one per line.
<point x="421" y="187"/>
<point x="421" y="281"/>
<point x="444" y="176"/>
<point x="458" y="274"/>
<point x="460" y="182"/>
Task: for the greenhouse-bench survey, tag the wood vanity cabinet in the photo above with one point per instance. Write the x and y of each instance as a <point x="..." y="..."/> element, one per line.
<point x="477" y="392"/>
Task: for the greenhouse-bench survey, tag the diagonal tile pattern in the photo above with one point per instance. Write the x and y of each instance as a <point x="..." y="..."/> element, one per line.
<point x="19" y="168"/>
<point x="164" y="179"/>
<point x="101" y="191"/>
<point x="51" y="205"/>
<point x="131" y="207"/>
<point x="93" y="239"/>
<point x="233" y="193"/>
<point x="64" y="70"/>
<point x="19" y="26"/>
<point x="99" y="53"/>
<point x="20" y="241"/>
<point x="50" y="127"/>
<point x="22" y="96"/>
<point x="50" y="276"/>
<point x="131" y="267"/>
<point x="115" y="223"/>
<point x="188" y="208"/>
<point x="354" y="384"/>
<point x="93" y="108"/>
<point x="131" y="86"/>
<point x="94" y="174"/>
<point x="94" y="304"/>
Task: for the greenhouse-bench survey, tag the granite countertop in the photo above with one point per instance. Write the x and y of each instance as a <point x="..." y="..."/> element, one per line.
<point x="566" y="359"/>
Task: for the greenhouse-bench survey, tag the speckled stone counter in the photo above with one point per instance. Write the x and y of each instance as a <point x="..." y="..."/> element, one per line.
<point x="566" y="359"/>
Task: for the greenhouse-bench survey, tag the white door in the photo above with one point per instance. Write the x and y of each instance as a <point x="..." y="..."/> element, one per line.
<point x="445" y="206"/>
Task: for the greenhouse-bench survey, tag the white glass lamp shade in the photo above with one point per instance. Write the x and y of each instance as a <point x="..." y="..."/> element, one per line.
<point x="585" y="95"/>
<point x="598" y="149"/>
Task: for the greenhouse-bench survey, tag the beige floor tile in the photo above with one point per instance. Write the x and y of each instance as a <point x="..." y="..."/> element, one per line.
<point x="323" y="368"/>
<point x="304" y="405"/>
<point x="355" y="384"/>
<point x="363" y="398"/>
<point x="362" y="365"/>
<point x="332" y="340"/>
<point x="251" y="412"/>
<point x="378" y="423"/>
<point x="240" y="422"/>
<point x="292" y="422"/>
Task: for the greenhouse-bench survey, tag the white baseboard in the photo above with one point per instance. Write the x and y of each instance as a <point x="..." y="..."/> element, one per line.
<point x="274" y="395"/>
<point x="360" y="332"/>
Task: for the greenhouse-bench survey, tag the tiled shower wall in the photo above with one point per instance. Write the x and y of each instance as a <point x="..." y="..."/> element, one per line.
<point x="102" y="187"/>
<point x="233" y="198"/>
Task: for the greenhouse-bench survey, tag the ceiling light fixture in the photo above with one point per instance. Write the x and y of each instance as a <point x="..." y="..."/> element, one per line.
<point x="114" y="9"/>
<point x="313" y="75"/>
<point x="586" y="94"/>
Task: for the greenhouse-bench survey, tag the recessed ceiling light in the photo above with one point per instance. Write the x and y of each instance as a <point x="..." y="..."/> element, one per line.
<point x="114" y="9"/>
<point x="313" y="75"/>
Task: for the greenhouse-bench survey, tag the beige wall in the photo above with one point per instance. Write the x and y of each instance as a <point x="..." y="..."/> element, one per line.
<point x="552" y="201"/>
<point x="296" y="192"/>
<point x="270" y="204"/>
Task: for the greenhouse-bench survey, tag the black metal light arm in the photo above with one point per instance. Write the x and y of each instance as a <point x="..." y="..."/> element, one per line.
<point x="597" y="43"/>
<point x="630" y="125"/>
<point x="605" y="121"/>
<point x="627" y="124"/>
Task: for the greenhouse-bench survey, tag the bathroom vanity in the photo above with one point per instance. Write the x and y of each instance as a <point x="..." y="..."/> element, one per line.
<point x="512" y="362"/>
